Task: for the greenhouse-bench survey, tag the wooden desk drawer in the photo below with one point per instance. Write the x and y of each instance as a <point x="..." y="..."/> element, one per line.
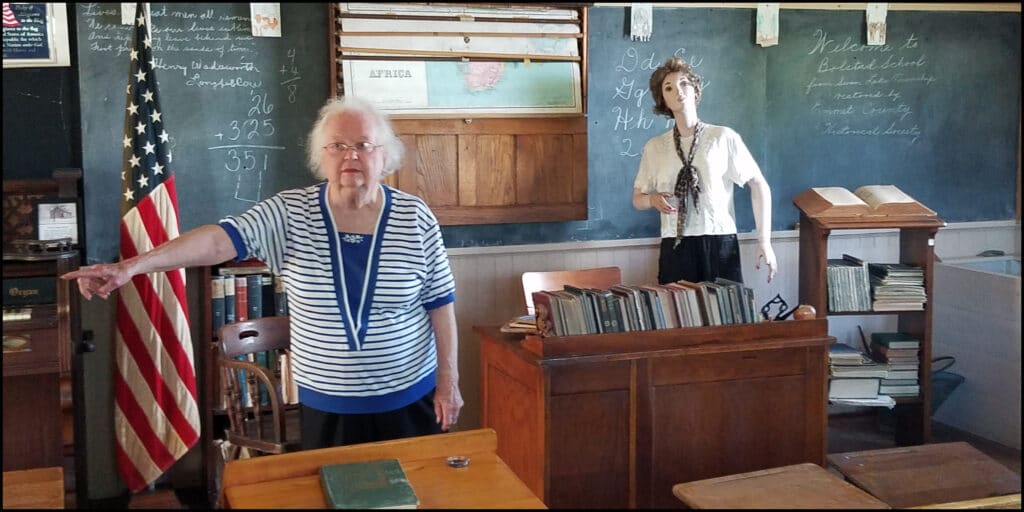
<point x="31" y="352"/>
<point x="728" y="366"/>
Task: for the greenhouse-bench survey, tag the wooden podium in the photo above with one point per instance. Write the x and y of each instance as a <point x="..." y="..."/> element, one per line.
<point x="615" y="420"/>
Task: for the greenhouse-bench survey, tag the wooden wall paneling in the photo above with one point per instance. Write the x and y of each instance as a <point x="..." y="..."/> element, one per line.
<point x="487" y="170"/>
<point x="578" y="157"/>
<point x="430" y="169"/>
<point x="503" y="169"/>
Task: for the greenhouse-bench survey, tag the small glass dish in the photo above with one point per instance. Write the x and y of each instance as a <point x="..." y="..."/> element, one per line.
<point x="457" y="461"/>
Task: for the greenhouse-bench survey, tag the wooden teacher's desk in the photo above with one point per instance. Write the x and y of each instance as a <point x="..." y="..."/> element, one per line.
<point x="292" y="480"/>
<point x="615" y="420"/>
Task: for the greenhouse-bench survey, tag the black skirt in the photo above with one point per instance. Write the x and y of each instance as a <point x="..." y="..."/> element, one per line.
<point x="700" y="258"/>
<point x="325" y="429"/>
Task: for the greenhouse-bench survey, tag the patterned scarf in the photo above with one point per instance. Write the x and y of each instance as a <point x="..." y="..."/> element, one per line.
<point x="687" y="181"/>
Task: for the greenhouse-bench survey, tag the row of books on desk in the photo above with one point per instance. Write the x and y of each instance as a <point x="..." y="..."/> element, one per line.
<point x="626" y="308"/>
<point x="889" y="369"/>
<point x="854" y="285"/>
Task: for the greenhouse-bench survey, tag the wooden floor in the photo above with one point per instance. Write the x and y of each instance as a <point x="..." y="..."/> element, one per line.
<point x="847" y="432"/>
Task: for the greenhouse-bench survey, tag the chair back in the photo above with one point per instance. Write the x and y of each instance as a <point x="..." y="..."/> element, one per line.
<point x="254" y="354"/>
<point x="602" y="278"/>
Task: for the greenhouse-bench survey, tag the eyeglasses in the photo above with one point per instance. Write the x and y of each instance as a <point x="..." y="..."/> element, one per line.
<point x="362" y="148"/>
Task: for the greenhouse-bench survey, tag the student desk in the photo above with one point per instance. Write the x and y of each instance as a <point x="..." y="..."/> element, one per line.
<point x="292" y="480"/>
<point x="929" y="474"/>
<point x="797" y="486"/>
<point x="34" y="488"/>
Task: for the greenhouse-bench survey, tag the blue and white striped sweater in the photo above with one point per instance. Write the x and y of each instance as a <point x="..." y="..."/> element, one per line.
<point x="391" y="360"/>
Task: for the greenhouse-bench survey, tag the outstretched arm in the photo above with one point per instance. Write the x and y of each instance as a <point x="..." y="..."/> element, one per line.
<point x="761" y="202"/>
<point x="205" y="245"/>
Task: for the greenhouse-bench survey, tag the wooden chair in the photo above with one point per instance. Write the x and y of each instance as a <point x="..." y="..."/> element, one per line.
<point x="603" y="277"/>
<point x="255" y="424"/>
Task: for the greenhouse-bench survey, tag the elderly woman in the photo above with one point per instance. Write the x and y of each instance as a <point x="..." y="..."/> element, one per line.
<point x="688" y="174"/>
<point x="370" y="289"/>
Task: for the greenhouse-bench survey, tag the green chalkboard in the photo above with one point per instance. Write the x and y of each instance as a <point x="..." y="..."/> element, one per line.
<point x="934" y="111"/>
<point x="237" y="107"/>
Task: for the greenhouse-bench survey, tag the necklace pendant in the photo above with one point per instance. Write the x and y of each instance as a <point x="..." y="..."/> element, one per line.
<point x="353" y="239"/>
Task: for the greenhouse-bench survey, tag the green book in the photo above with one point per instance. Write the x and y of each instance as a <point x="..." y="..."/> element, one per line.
<point x="371" y="484"/>
<point x="895" y="340"/>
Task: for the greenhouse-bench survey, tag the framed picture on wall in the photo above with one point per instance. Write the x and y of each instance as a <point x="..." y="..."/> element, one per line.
<point x="36" y="35"/>
<point x="56" y="219"/>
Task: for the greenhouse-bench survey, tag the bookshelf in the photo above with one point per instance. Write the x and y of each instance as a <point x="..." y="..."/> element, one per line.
<point x="615" y="420"/>
<point x="917" y="247"/>
<point x="214" y="416"/>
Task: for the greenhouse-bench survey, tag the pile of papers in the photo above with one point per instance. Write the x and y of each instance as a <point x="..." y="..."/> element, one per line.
<point x="526" y="324"/>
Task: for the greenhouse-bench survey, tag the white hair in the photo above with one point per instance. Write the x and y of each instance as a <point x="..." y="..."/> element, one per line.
<point x="391" y="144"/>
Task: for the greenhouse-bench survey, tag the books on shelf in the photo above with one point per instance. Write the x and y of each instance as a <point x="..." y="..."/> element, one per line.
<point x="897" y="340"/>
<point x="897" y="286"/>
<point x="870" y="371"/>
<point x="848" y="284"/>
<point x="374" y="484"/>
<point x="866" y="201"/>
<point x="854" y="376"/>
<point x="857" y="387"/>
<point x="878" y="401"/>
<point x="841" y="354"/>
<point x="899" y="387"/>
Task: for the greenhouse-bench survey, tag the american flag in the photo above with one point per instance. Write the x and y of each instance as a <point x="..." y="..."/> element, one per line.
<point x="10" y="20"/>
<point x="156" y="417"/>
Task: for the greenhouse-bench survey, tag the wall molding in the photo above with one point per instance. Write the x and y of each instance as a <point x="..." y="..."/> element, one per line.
<point x="745" y="238"/>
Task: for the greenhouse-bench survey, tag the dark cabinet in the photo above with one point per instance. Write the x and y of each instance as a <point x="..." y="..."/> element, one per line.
<point x="39" y="371"/>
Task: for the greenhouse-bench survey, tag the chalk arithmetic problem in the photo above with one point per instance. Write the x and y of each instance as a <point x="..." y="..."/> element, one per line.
<point x="238" y="106"/>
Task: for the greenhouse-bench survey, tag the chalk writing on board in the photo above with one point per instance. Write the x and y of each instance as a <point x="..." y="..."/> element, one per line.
<point x="211" y="50"/>
<point x="632" y="105"/>
<point x="865" y="91"/>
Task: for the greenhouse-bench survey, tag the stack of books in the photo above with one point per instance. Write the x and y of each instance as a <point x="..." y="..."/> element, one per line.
<point x="899" y="351"/>
<point x="854" y="378"/>
<point x="848" y="285"/>
<point x="897" y="287"/>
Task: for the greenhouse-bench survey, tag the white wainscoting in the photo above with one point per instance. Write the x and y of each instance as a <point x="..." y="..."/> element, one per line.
<point x="489" y="291"/>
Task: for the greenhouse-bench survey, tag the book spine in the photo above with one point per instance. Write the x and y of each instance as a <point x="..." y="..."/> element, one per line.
<point x="280" y="297"/>
<point x="217" y="302"/>
<point x="241" y="298"/>
<point x="230" y="308"/>
<point x="267" y="291"/>
<point x="254" y="293"/>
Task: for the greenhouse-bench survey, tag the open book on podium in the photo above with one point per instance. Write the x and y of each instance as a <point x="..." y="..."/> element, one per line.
<point x="866" y="201"/>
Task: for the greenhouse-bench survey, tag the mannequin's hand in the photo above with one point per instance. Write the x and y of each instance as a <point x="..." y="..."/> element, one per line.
<point x="663" y="202"/>
<point x="765" y="252"/>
